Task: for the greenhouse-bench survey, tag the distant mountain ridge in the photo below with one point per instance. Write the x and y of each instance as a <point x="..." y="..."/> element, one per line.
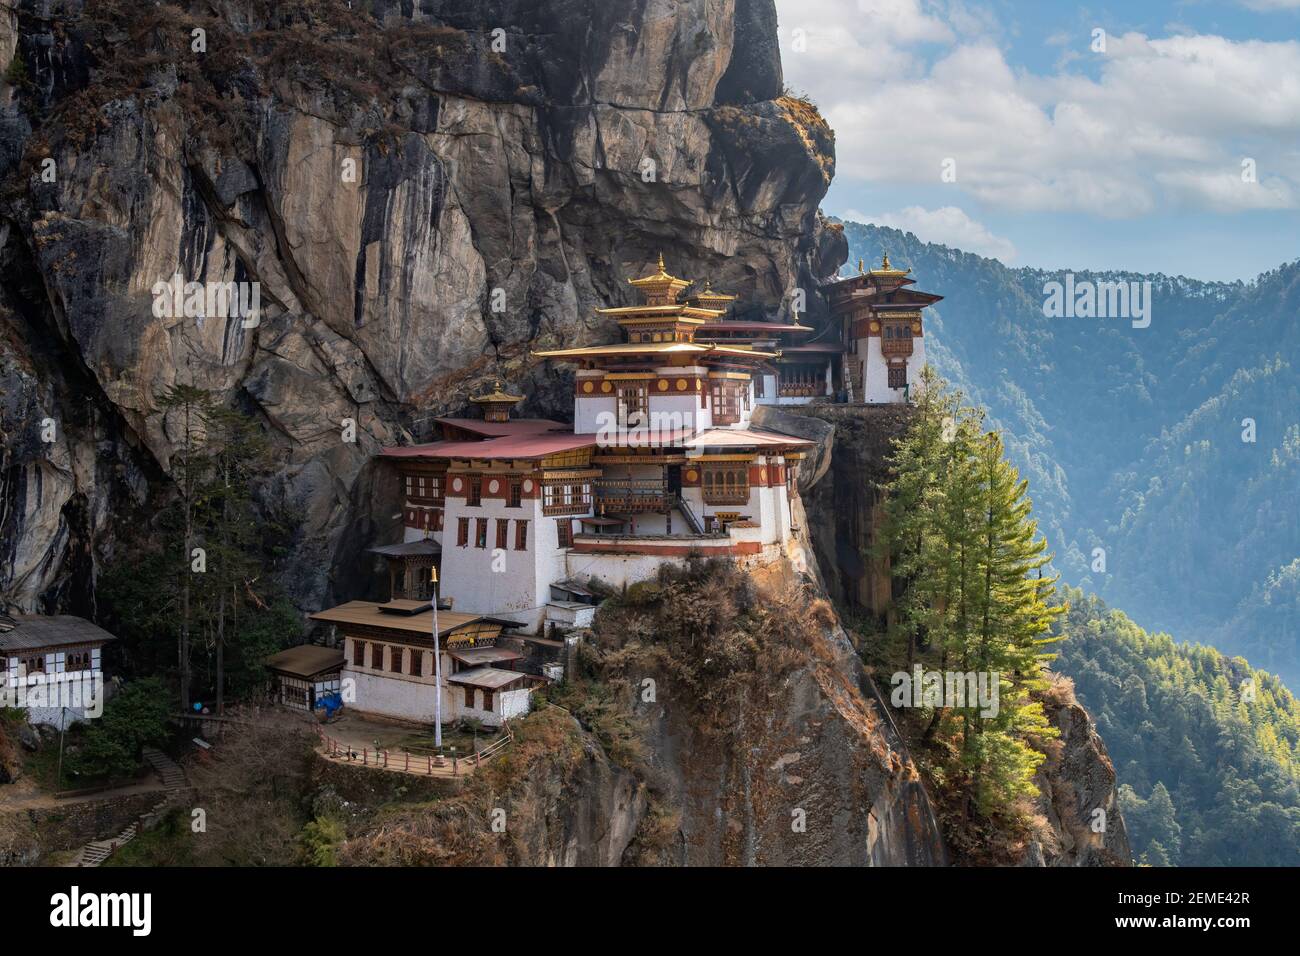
<point x="1132" y="438"/>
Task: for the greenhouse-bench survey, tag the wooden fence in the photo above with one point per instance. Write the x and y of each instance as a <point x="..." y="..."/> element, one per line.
<point x="404" y="761"/>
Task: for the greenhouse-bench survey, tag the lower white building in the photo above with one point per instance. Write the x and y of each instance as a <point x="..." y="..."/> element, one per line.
<point x="52" y="668"/>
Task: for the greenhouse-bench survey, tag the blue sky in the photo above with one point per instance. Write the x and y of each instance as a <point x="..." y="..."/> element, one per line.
<point x="1152" y="136"/>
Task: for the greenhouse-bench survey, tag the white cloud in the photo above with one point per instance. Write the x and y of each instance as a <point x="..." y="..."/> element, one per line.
<point x="1163" y="122"/>
<point x="948" y="225"/>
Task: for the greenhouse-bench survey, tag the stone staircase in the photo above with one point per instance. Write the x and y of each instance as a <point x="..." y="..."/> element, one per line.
<point x="173" y="778"/>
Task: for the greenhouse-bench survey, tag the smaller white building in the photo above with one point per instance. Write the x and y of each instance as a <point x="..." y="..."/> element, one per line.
<point x="389" y="668"/>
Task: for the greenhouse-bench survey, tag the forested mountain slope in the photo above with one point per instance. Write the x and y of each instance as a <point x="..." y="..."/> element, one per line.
<point x="1205" y="747"/>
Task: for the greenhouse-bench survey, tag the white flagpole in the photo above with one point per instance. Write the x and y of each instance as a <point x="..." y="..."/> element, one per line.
<point x="437" y="669"/>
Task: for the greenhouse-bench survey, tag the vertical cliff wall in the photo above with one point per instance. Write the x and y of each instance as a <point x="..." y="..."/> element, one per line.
<point x="424" y="192"/>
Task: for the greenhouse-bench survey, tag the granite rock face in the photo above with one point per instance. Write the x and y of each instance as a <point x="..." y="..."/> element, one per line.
<point x="423" y="193"/>
<point x="1078" y="798"/>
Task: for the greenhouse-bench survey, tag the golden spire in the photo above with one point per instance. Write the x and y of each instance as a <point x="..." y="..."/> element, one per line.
<point x="886" y="269"/>
<point x="661" y="265"/>
<point x="860" y="269"/>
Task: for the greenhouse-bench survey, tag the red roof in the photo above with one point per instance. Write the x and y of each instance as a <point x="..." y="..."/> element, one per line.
<point x="528" y="445"/>
<point x="515" y="426"/>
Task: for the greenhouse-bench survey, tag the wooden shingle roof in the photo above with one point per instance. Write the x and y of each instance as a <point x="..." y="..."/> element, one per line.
<point x="36" y="631"/>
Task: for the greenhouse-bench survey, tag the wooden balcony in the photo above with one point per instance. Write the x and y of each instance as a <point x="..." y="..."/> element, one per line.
<point x="632" y="495"/>
<point x="892" y="348"/>
<point x="567" y="508"/>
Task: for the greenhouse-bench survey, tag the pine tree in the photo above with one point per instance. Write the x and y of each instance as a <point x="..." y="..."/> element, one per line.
<point x="959" y="532"/>
<point x="1012" y="615"/>
<point x="190" y="405"/>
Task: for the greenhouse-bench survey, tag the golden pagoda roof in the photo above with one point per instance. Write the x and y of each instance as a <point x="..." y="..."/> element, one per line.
<point x="496" y="395"/>
<point x="680" y="348"/>
<point x="660" y="278"/>
<point x="708" y="293"/>
<point x="885" y="268"/>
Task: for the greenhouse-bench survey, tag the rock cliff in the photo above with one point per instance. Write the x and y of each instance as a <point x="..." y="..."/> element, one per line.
<point x="423" y="192"/>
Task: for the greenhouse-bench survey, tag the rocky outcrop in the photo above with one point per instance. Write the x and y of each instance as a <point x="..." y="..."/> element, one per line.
<point x="422" y="196"/>
<point x="553" y="798"/>
<point x="1078" y="797"/>
<point x="820" y="776"/>
<point x="758" y="733"/>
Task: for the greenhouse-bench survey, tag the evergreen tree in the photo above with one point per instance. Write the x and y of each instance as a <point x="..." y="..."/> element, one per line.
<point x="958" y="531"/>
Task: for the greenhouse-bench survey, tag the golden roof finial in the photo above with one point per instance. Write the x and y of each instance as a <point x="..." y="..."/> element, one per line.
<point x="860" y="269"/>
<point x="661" y="265"/>
<point x="884" y="264"/>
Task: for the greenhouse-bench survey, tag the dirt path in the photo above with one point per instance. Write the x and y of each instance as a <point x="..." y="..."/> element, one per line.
<point x="27" y="794"/>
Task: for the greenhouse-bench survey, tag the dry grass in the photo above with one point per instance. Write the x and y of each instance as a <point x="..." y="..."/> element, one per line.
<point x="816" y="134"/>
<point x="458" y="831"/>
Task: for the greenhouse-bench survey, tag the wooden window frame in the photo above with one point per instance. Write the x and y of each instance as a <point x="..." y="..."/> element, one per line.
<point x="503" y="532"/>
<point x="474" y="496"/>
<point x="521" y="534"/>
<point x="725" y="484"/>
<point x="480" y="532"/>
<point x="564" y="532"/>
<point x="632" y="399"/>
<point x="462" y="532"/>
<point x="358" y="653"/>
<point x="724" y="393"/>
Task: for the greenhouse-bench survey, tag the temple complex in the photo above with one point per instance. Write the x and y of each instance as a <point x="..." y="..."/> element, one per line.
<point x="516" y="518"/>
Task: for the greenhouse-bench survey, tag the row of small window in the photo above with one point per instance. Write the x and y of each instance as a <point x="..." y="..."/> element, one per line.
<point x="412" y="659"/>
<point x="564" y="533"/>
<point x="481" y="533"/>
<point x="74" y="661"/>
<point x="635" y="337"/>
